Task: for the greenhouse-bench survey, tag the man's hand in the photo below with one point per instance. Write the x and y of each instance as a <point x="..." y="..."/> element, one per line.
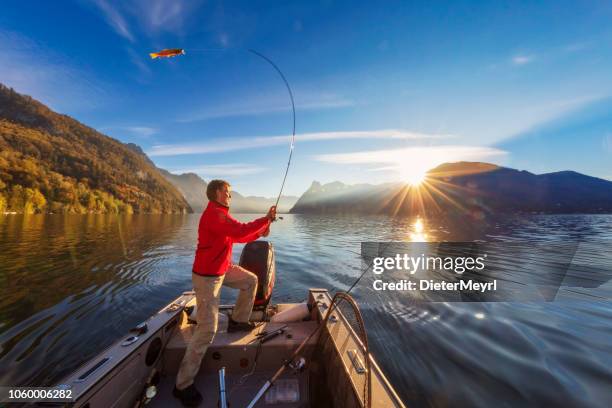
<point x="271" y="215"/>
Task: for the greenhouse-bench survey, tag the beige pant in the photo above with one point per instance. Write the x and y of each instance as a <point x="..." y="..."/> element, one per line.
<point x="207" y="291"/>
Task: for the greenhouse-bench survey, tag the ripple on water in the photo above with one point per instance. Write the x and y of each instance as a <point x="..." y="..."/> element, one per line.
<point x="75" y="284"/>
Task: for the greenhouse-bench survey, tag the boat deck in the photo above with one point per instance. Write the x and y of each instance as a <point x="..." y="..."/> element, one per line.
<point x="338" y="372"/>
<point x="236" y="352"/>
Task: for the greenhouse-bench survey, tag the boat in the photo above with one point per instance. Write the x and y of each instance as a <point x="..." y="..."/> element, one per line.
<point x="310" y="354"/>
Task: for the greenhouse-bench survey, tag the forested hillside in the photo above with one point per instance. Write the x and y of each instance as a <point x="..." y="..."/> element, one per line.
<point x="52" y="163"/>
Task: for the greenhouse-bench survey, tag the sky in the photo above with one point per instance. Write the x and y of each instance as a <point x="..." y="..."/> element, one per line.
<point x="383" y="92"/>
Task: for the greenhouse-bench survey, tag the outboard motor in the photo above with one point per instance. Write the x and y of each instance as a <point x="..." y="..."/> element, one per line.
<point x="258" y="257"/>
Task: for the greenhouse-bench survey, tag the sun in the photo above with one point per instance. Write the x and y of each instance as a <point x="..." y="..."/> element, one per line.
<point x="415" y="179"/>
<point x="412" y="173"/>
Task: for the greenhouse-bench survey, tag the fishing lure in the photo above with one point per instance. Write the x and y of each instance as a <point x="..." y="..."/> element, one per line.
<point x="167" y="53"/>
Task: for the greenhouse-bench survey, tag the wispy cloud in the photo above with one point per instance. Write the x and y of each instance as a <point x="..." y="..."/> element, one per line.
<point x="417" y="159"/>
<point x="271" y="104"/>
<point x="532" y="116"/>
<point x="147" y="17"/>
<point x="220" y="170"/>
<point x="33" y="69"/>
<point x="140" y="131"/>
<point x="243" y="143"/>
<point x="115" y="19"/>
<point x="134" y="19"/>
<point x="138" y="59"/>
<point x="522" y="59"/>
<point x="161" y="14"/>
<point x="576" y="46"/>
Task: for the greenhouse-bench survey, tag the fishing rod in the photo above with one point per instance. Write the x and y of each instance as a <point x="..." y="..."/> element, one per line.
<point x="292" y="146"/>
<point x="365" y="270"/>
<point x="174" y="52"/>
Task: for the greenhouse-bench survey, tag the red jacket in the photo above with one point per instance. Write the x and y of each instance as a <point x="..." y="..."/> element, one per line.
<point x="217" y="233"/>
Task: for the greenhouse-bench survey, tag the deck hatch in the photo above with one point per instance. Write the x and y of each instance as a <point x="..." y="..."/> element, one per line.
<point x="283" y="391"/>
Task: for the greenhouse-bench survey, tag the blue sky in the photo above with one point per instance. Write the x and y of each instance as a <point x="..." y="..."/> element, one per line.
<point x="382" y="91"/>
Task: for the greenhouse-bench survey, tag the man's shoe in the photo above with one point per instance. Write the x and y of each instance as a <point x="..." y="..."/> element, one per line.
<point x="190" y="396"/>
<point x="234" y="326"/>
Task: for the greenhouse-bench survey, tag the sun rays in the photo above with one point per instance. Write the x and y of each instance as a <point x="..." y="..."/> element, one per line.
<point x="433" y="192"/>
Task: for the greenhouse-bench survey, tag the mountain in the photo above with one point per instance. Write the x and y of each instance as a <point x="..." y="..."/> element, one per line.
<point x="338" y="198"/>
<point x="465" y="188"/>
<point x="191" y="186"/>
<point x="255" y="204"/>
<point x="50" y="162"/>
<point x="193" y="189"/>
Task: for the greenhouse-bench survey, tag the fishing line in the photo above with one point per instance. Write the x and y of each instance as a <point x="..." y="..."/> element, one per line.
<point x="292" y="145"/>
<point x="367" y="269"/>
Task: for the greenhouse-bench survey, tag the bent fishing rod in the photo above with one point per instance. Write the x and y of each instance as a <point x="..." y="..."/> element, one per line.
<point x="293" y="112"/>
<point x="174" y="52"/>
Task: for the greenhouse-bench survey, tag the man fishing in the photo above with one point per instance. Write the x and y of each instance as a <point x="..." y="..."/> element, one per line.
<point x="212" y="268"/>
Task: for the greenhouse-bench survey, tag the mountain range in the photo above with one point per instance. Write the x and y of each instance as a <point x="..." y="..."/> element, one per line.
<point x="50" y="162"/>
<point x="193" y="188"/>
<point x="465" y="189"/>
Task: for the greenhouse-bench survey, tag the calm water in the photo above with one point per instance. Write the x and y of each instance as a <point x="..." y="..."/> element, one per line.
<point x="72" y="285"/>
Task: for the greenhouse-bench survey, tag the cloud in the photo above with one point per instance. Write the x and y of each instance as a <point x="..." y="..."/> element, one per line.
<point x="151" y="16"/>
<point x="141" y="131"/>
<point x="417" y="159"/>
<point x="115" y="19"/>
<point x="577" y="46"/>
<point x="161" y="15"/>
<point x="148" y="18"/>
<point x="31" y="68"/>
<point x="224" y="145"/>
<point x="273" y="104"/>
<point x="532" y="116"/>
<point x="222" y="170"/>
<point x="138" y="59"/>
<point x="522" y="59"/>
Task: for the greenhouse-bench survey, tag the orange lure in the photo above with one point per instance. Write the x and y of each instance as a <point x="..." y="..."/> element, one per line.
<point x="167" y="53"/>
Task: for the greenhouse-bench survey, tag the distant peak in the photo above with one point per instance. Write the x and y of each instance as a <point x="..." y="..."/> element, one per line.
<point x="461" y="168"/>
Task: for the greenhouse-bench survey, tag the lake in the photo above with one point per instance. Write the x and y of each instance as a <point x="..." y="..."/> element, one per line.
<point x="72" y="285"/>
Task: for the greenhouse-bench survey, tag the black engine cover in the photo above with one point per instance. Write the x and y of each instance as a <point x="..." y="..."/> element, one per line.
<point x="258" y="257"/>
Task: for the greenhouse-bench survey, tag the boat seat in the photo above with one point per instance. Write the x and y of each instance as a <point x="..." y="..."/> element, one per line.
<point x="281" y="307"/>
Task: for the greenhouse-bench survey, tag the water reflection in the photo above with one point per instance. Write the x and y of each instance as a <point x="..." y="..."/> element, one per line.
<point x="78" y="282"/>
<point x="417" y="235"/>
